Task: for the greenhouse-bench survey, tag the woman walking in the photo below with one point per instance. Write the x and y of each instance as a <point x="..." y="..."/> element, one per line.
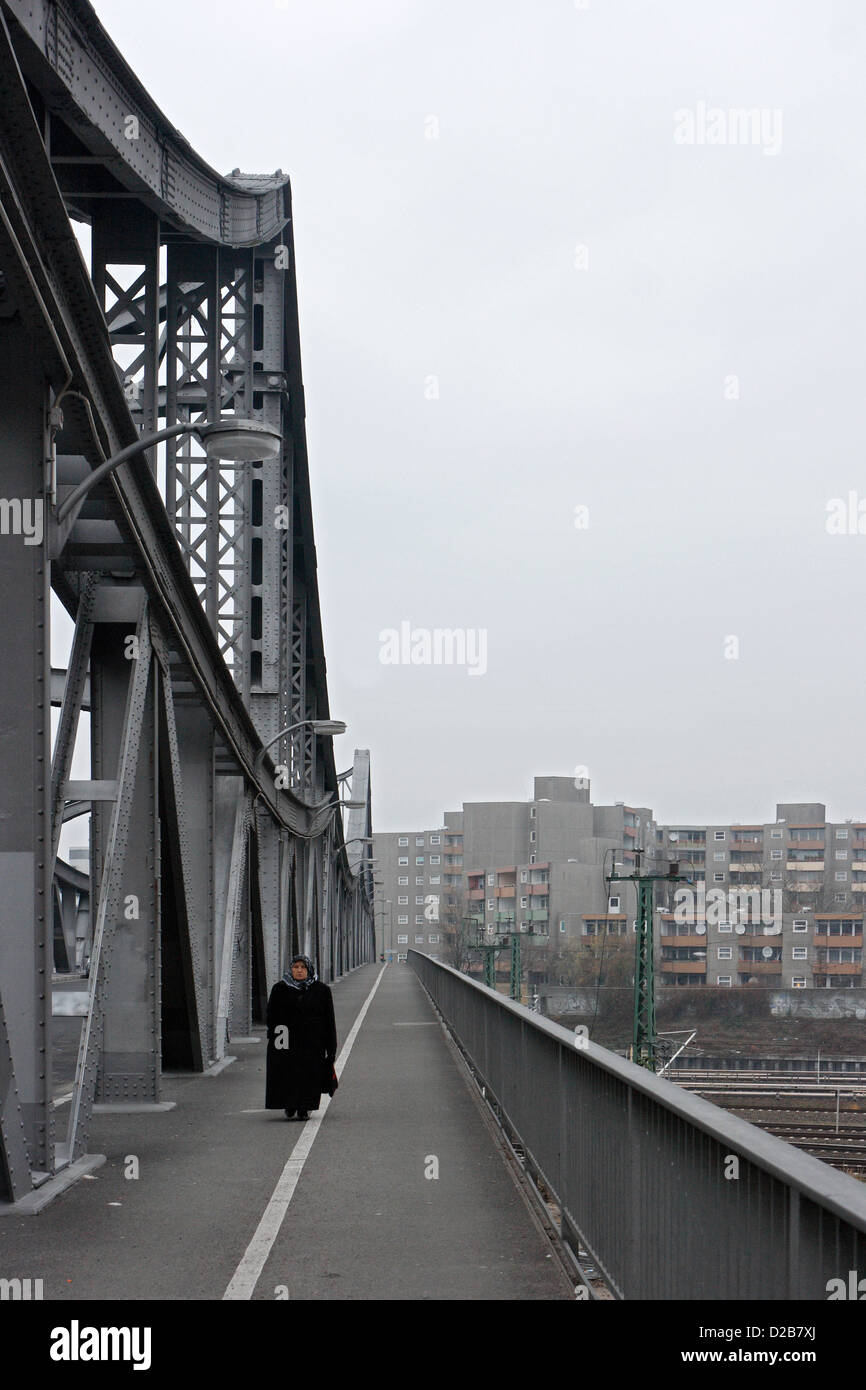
<point x="302" y="1041"/>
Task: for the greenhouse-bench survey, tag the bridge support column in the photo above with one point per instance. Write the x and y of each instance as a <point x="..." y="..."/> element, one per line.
<point x="129" y="1063"/>
<point x="26" y="900"/>
<point x="193" y="788"/>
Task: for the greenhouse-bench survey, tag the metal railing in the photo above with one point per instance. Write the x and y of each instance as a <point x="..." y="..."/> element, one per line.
<point x="672" y="1197"/>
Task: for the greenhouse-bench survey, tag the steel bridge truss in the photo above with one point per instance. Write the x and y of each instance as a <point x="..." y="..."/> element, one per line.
<point x="192" y="589"/>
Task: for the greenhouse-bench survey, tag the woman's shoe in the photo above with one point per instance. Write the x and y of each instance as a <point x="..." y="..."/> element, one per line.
<point x="289" y="1114"/>
<point x="303" y="1114"/>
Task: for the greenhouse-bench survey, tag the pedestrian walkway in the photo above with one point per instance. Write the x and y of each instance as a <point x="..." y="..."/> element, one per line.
<point x="208" y="1216"/>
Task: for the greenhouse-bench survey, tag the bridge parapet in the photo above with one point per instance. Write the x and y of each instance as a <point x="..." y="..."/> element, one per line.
<point x="669" y="1196"/>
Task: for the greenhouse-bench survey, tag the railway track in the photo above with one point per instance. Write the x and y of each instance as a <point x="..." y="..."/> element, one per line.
<point x="841" y="1149"/>
<point x="776" y="1104"/>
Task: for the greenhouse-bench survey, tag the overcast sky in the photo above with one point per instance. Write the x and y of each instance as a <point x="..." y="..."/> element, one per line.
<point x="626" y="302"/>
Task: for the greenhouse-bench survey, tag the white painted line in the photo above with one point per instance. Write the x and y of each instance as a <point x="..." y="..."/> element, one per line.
<point x="61" y="1100"/>
<point x="246" y="1276"/>
<point x="433" y="1024"/>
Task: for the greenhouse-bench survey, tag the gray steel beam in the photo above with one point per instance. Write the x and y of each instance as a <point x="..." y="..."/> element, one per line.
<point x="194" y="776"/>
<point x="232" y="811"/>
<point x="109" y="876"/>
<point x="81" y="75"/>
<point x="129" y="1065"/>
<point x="26" y="902"/>
<point x="73" y="697"/>
<point x="15" y="1179"/>
<point x="189" y="894"/>
<point x="123" y="235"/>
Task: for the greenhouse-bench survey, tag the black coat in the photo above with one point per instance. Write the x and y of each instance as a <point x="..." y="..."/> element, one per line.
<point x="299" y="1072"/>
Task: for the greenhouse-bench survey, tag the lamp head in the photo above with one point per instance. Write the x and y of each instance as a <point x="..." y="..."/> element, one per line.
<point x="233" y="439"/>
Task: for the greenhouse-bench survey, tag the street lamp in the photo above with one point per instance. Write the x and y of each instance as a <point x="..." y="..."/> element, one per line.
<point x="232" y="438"/>
<point x="328" y="728"/>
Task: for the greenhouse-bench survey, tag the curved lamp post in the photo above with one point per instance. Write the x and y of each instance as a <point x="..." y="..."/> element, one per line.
<point x="231" y="439"/>
<point x="328" y="728"/>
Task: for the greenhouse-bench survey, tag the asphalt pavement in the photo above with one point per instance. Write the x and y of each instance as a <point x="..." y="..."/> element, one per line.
<point x="403" y="1194"/>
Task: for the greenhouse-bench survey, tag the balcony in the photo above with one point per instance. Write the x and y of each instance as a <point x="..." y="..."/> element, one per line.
<point x="669" y="939"/>
<point x="476" y="894"/>
<point x="762" y="967"/>
<point x="836" y="942"/>
<point x="797" y="866"/>
<point x="684" y="967"/>
<point x="536" y="915"/>
<point x="839" y="967"/>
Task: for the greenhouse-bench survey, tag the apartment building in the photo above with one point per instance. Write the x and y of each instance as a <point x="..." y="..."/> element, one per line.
<point x="783" y="903"/>
<point x="408" y="874"/>
<point x="539" y="866"/>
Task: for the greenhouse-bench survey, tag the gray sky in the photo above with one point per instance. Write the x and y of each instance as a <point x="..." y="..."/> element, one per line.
<point x="559" y="386"/>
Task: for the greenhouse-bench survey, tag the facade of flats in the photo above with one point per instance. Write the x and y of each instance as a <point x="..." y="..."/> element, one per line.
<point x="777" y="905"/>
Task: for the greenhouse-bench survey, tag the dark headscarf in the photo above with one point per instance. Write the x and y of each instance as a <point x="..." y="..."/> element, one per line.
<point x="300" y="984"/>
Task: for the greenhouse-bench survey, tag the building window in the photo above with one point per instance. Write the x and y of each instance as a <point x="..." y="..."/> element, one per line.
<point x="775" y="878"/>
<point x="419" y="881"/>
<point x="404" y="859"/>
<point x="719" y="858"/>
<point x="532" y="858"/>
<point x="840" y="897"/>
<point x="403" y="922"/>
<point x="419" y="941"/>
<point x="799" y="953"/>
<point x="775" y="854"/>
<point x="435" y="859"/>
<point x="532" y="837"/>
<point x="523" y="876"/>
<point x="401" y="957"/>
<point x="491" y="903"/>
<point x="435" y="878"/>
<point x="840" y="878"/>
<point x="775" y="834"/>
<point x="841" y="854"/>
<point x="726" y="926"/>
<point x="842" y="834"/>
<point x="725" y="981"/>
<point x="402" y="941"/>
<point x="532" y="813"/>
<point x="419" y="901"/>
<point x="433" y="940"/>
<point x="800" y="924"/>
<point x="419" y="919"/>
<point x="725" y="952"/>
<point x="402" y="902"/>
<point x="419" y="841"/>
<point x="491" y="879"/>
<point x="613" y="905"/>
<point x="798" y="982"/>
<point x="435" y="840"/>
<point x="403" y="840"/>
<point x="403" y="882"/>
<point x="718" y="878"/>
<point x="718" y="834"/>
<point x="419" y="859"/>
<point x="523" y="902"/>
<point x="562" y="926"/>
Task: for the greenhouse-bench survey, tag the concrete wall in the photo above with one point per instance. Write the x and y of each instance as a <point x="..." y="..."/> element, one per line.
<point x="818" y="1003"/>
